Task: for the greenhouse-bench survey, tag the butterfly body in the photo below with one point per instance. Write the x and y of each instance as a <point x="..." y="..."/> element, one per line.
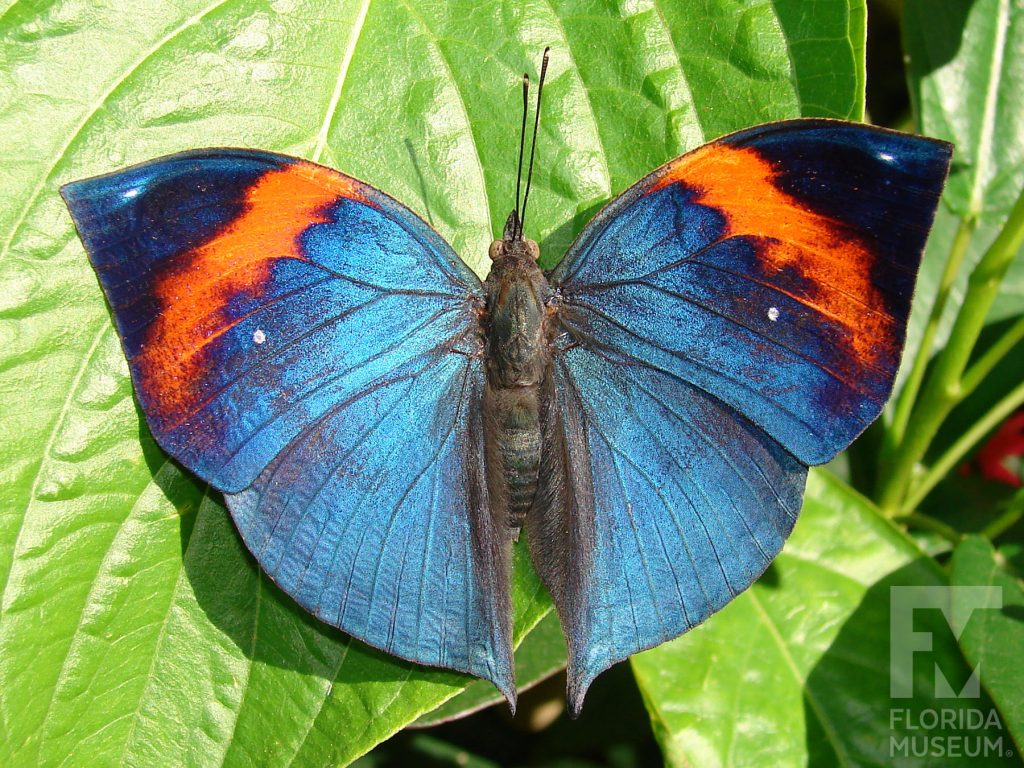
<point x="518" y="359"/>
<point x="382" y="423"/>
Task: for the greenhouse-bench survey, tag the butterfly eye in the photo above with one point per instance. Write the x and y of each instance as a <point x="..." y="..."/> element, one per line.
<point x="495" y="250"/>
<point x="533" y="248"/>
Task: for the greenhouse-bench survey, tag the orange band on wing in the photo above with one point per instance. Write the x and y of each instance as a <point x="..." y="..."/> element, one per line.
<point x="194" y="294"/>
<point x="740" y="184"/>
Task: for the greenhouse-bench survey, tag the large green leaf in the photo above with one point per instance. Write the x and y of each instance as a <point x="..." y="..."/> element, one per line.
<point x="796" y="670"/>
<point x="133" y="628"/>
<point x="964" y="71"/>
<point x="966" y="79"/>
<point x="992" y="639"/>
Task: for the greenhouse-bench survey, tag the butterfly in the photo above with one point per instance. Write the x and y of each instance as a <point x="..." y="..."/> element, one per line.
<point x="382" y="423"/>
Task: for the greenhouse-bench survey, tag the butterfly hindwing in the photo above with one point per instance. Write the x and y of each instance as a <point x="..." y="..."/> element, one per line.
<point x="675" y="505"/>
<point x="416" y="561"/>
<point x="737" y="315"/>
<point x="310" y="347"/>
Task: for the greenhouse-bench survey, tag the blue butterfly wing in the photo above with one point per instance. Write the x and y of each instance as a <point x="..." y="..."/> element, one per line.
<point x="773" y="269"/>
<point x="252" y="291"/>
<point x="672" y="505"/>
<point x="272" y="309"/>
<point x="376" y="519"/>
<point x="737" y="315"/>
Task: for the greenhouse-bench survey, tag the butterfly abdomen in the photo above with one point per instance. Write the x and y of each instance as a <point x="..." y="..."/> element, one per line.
<point x="517" y="359"/>
<point x="513" y="424"/>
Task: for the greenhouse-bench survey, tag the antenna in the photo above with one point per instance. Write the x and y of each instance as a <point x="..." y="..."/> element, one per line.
<point x="533" y="143"/>
<point x="522" y="139"/>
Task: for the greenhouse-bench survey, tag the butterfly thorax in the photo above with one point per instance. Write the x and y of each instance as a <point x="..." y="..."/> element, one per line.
<point x="517" y="362"/>
<point x="516" y="349"/>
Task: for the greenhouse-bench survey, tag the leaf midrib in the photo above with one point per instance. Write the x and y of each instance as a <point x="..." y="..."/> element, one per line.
<point x="45" y="455"/>
<point x="346" y="62"/>
<point x="812" y="698"/>
<point x="988" y="113"/>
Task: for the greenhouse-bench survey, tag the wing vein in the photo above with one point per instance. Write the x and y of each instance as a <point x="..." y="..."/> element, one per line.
<point x="714" y="446"/>
<point x="682" y="473"/>
<point x="298" y="442"/>
<point x="408" y="490"/>
<point x="333" y="379"/>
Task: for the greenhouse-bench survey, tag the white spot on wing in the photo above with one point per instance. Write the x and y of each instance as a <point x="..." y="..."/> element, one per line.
<point x="259" y="337"/>
<point x="773" y="313"/>
<point x="885" y="157"/>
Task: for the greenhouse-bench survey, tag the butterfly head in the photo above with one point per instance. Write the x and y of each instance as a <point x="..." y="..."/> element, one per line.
<point x="512" y="244"/>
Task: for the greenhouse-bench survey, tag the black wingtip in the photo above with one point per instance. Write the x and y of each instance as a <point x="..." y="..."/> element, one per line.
<point x="507" y="688"/>
<point x="71" y="200"/>
<point x="577" y="686"/>
<point x="75" y="193"/>
<point x="511" y="699"/>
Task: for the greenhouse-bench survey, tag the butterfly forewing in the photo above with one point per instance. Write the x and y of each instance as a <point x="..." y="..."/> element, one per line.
<point x="773" y="269"/>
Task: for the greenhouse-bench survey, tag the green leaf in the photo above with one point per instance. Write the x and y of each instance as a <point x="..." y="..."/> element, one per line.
<point x="965" y="82"/>
<point x="796" y="670"/>
<point x="541" y="655"/>
<point x="992" y="638"/>
<point x="967" y="86"/>
<point x="133" y="627"/>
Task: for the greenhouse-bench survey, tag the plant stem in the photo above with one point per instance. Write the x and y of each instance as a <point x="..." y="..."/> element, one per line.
<point x="908" y="395"/>
<point x="943" y="387"/>
<point x="983" y="366"/>
<point x="928" y="523"/>
<point x="1011" y="402"/>
<point x="1014" y="511"/>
